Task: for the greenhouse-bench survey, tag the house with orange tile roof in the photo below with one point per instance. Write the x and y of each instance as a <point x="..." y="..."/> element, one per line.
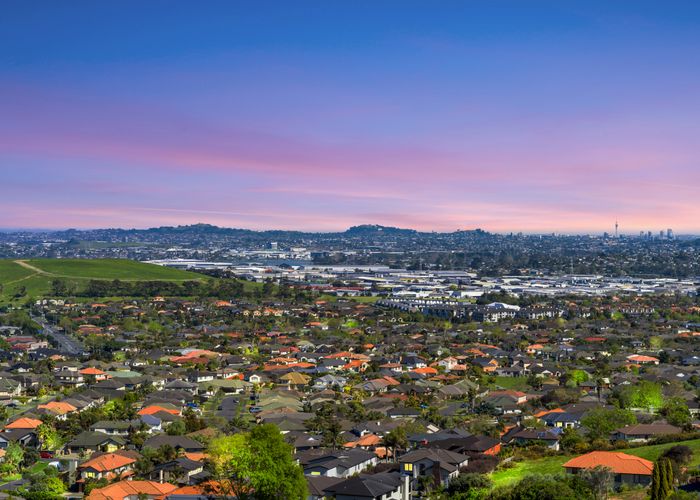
<point x="60" y="409"/>
<point x="626" y="468"/>
<point x="133" y="490"/>
<point x="153" y="409"/>
<point x="94" y="372"/>
<point x="426" y="370"/>
<point x="107" y="465"/>
<point x="23" y="423"/>
<point x="356" y="365"/>
<point x="367" y="441"/>
<point x="641" y="359"/>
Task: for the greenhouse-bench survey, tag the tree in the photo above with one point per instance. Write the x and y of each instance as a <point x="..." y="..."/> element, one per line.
<point x="679" y="456"/>
<point x="177" y="428"/>
<point x="661" y="480"/>
<point x="676" y="412"/>
<point x="257" y="464"/>
<point x="542" y="487"/>
<point x="600" y="480"/>
<point x="534" y="381"/>
<point x="571" y="440"/>
<point x="14" y="455"/>
<point x="332" y="433"/>
<point x="396" y="439"/>
<point x="600" y="422"/>
<point x="577" y="377"/>
<point x="645" y="395"/>
<point x="50" y="438"/>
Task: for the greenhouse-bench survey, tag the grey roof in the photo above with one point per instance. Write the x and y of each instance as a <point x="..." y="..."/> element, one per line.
<point x="366" y="485"/>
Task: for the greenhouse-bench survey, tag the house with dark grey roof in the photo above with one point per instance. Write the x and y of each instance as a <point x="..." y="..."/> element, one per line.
<point x="382" y="486"/>
<point x="178" y="442"/>
<point x="641" y="433"/>
<point x="91" y="441"/>
<point x="432" y="462"/>
<point x="336" y="463"/>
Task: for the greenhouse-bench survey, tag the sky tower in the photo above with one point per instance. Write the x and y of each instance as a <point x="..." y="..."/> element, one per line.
<point x="616" y="233"/>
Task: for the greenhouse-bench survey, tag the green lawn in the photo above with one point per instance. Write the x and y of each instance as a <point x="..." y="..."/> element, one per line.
<point x="553" y="465"/>
<point x="653" y="452"/>
<point x="34" y="276"/>
<point x="514" y="383"/>
<point x="109" y="269"/>
<point x="547" y="465"/>
<point x="11" y="272"/>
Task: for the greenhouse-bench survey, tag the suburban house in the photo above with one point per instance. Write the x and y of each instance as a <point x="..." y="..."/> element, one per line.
<point x="432" y="462"/>
<point x="627" y="469"/>
<point x="90" y="442"/>
<point x="341" y="463"/>
<point x="108" y="465"/>
<point x="132" y="490"/>
<point x="641" y="433"/>
<point x="382" y="486"/>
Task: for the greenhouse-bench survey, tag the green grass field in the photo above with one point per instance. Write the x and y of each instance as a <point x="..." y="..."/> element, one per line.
<point x="35" y="275"/>
<point x="553" y="465"/>
<point x="513" y="383"/>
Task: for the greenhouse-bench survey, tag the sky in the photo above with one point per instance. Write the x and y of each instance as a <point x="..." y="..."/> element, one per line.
<point x="507" y="116"/>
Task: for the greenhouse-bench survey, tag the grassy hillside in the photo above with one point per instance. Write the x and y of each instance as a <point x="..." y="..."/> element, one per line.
<point x="34" y="276"/>
<point x="553" y="465"/>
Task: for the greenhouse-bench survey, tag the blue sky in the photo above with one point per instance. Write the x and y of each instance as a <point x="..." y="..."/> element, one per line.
<point x="533" y="116"/>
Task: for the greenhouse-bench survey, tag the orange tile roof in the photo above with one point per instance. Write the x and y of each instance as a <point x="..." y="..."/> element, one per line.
<point x="107" y="462"/>
<point x="548" y="412"/>
<point x="91" y="371"/>
<point x="426" y="371"/>
<point x="124" y="489"/>
<point x="58" y="407"/>
<point x="24" y="423"/>
<point x="620" y="463"/>
<point x="150" y="410"/>
<point x="642" y="358"/>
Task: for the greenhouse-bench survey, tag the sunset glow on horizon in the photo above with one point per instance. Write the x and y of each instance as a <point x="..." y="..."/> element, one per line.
<point x="546" y="117"/>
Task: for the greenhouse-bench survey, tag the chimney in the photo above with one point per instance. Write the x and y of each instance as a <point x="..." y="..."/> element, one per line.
<point x="406" y="487"/>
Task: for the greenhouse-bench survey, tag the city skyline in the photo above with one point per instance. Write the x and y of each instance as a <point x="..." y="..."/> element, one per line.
<point x="540" y="118"/>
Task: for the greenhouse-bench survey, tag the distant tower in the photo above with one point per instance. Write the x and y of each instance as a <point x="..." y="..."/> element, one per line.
<point x="669" y="234"/>
<point x="617" y="235"/>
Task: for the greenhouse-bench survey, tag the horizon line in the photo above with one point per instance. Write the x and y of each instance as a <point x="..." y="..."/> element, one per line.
<point x="597" y="232"/>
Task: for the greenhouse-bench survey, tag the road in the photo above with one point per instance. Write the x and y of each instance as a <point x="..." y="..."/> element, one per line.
<point x="66" y="343"/>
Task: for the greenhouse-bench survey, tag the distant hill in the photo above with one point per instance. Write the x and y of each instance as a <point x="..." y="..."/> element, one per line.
<point x="34" y="276"/>
<point x="375" y="230"/>
<point x="194" y="231"/>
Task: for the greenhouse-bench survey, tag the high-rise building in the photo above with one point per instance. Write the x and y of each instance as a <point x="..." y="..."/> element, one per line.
<point x="669" y="234"/>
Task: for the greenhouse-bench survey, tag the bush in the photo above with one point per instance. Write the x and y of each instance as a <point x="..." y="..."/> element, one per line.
<point x="546" y="488"/>
<point x="481" y="464"/>
<point x="466" y="482"/>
